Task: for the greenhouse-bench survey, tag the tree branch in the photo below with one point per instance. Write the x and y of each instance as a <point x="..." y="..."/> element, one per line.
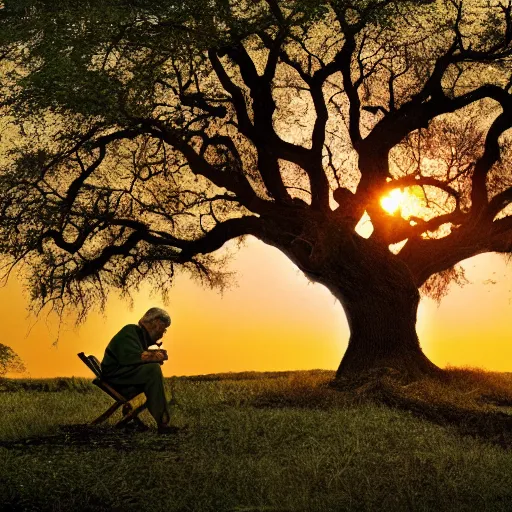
<point x="219" y="235"/>
<point x="501" y="235"/>
<point x="262" y="134"/>
<point x="498" y="202"/>
<point x="244" y="123"/>
<point x="235" y="182"/>
<point x="491" y="155"/>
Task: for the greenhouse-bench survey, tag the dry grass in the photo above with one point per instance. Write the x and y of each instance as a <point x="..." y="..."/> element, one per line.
<point x="285" y="442"/>
<point x="473" y="401"/>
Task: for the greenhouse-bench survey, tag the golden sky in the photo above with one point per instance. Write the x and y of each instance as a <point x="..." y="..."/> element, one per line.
<point x="272" y="319"/>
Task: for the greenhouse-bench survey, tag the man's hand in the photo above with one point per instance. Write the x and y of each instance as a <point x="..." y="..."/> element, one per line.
<point x="154" y="356"/>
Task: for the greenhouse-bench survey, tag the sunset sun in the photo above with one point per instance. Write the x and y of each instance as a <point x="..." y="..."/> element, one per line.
<point x="393" y="201"/>
<point x="407" y="202"/>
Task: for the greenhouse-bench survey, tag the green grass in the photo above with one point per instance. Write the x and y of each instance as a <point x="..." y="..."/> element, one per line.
<point x="268" y="442"/>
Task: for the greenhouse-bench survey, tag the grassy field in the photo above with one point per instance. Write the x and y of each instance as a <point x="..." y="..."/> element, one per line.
<point x="255" y="442"/>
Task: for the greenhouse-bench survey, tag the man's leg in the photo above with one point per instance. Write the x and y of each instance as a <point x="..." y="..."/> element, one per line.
<point x="149" y="379"/>
<point x="155" y="392"/>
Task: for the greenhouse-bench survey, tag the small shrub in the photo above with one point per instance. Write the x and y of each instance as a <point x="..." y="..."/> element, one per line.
<point x="10" y="361"/>
<point x="78" y="384"/>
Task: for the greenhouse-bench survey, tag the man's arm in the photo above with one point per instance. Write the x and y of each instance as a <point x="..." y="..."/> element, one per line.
<point x="124" y="349"/>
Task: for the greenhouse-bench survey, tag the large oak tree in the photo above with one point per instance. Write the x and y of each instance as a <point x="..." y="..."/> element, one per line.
<point x="146" y="134"/>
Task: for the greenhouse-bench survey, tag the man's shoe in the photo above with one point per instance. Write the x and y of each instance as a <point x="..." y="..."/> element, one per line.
<point x="167" y="429"/>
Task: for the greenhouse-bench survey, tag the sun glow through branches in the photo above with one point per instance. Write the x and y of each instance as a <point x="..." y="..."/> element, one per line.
<point x="391" y="203"/>
<point x="408" y="202"/>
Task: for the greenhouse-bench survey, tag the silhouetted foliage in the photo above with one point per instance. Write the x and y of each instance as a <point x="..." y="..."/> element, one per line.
<point x="10" y="361"/>
<point x="146" y="134"/>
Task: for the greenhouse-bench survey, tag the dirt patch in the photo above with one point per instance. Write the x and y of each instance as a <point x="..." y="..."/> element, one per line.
<point x="89" y="437"/>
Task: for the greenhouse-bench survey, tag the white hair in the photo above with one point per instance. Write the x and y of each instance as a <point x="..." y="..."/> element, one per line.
<point x="154" y="313"/>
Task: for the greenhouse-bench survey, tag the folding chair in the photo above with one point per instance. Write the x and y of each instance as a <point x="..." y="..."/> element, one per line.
<point x="129" y="413"/>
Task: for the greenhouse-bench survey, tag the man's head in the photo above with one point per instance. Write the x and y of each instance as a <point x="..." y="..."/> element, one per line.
<point x="155" y="321"/>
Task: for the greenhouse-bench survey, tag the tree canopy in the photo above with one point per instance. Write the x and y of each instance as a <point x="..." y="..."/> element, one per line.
<point x="146" y="134"/>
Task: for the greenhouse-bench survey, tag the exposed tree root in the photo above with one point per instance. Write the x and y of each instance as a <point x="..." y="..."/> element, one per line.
<point x="477" y="418"/>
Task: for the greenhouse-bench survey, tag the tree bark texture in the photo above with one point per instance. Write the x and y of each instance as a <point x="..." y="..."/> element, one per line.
<point x="383" y="335"/>
<point x="380" y="299"/>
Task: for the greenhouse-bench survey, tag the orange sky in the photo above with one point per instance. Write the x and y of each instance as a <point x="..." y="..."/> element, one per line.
<point x="274" y="319"/>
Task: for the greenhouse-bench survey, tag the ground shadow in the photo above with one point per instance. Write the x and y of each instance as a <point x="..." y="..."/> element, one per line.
<point x="89" y="437"/>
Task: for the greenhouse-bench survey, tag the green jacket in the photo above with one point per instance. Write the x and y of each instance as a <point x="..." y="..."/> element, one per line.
<point x="125" y="349"/>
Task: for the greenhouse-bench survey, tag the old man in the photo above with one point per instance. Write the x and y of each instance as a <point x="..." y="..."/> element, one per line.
<point x="131" y="367"/>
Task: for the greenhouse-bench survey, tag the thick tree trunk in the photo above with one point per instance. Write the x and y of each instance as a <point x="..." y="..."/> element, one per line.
<point x="377" y="291"/>
<point x="383" y="335"/>
<point x="380" y="299"/>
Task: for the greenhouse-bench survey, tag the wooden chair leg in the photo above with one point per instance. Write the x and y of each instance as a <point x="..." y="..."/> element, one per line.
<point x="132" y="415"/>
<point x="111" y="410"/>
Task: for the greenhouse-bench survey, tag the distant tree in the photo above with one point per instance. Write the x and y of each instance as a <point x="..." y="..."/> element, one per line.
<point x="151" y="132"/>
<point x="10" y="361"/>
